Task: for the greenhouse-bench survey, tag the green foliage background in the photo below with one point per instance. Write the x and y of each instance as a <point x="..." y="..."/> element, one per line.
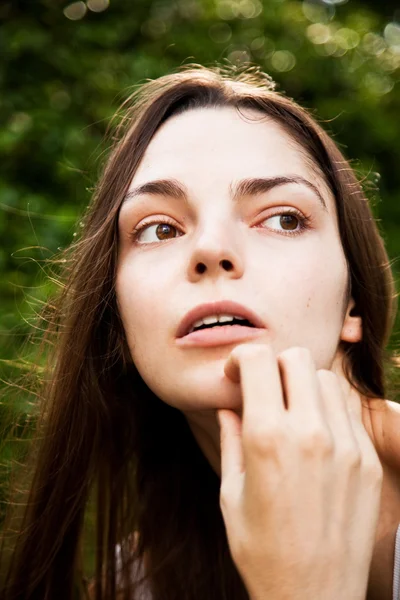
<point x="66" y="66"/>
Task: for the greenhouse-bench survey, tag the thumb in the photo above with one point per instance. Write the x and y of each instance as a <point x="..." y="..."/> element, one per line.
<point x="232" y="460"/>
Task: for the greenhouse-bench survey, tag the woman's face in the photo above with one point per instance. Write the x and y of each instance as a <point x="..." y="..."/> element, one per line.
<point x="289" y="270"/>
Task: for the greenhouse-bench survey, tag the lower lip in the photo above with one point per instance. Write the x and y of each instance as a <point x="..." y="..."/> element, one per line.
<point x="220" y="336"/>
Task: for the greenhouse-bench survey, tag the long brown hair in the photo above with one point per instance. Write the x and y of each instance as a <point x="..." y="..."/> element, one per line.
<point x="109" y="447"/>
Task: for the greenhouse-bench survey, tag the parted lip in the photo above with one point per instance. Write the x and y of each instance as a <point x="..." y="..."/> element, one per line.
<point x="217" y="308"/>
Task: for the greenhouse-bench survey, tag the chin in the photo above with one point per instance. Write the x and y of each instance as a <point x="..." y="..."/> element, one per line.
<point x="203" y="389"/>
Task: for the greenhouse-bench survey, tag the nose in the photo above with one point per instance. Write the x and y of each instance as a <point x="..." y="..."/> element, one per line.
<point x="216" y="252"/>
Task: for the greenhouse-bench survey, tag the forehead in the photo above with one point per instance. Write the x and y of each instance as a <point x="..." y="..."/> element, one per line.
<point x="216" y="145"/>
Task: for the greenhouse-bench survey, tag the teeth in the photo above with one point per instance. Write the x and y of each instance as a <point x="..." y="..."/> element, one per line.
<point x="214" y="319"/>
<point x="209" y="320"/>
<point x="225" y="318"/>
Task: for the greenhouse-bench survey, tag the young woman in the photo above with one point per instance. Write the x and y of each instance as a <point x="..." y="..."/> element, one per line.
<point x="216" y="388"/>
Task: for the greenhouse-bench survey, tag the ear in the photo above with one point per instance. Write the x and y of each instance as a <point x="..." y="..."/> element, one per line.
<point x="352" y="324"/>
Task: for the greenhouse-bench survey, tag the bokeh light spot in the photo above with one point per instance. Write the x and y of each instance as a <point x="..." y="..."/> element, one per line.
<point x="283" y="60"/>
<point x="347" y="38"/>
<point x="98" y="5"/>
<point x="377" y="85"/>
<point x="258" y="44"/>
<point x="262" y="47"/>
<point x="392" y="35"/>
<point x="20" y="122"/>
<point x="75" y="11"/>
<point x="316" y="13"/>
<point x="390" y="60"/>
<point x="373" y="44"/>
<point x="248" y="9"/>
<point x="318" y="33"/>
<point x="239" y="56"/>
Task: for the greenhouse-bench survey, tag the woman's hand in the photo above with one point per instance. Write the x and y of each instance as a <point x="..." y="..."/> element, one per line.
<point x="300" y="480"/>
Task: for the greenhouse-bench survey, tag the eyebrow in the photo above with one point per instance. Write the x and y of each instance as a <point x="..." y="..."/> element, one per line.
<point x="244" y="187"/>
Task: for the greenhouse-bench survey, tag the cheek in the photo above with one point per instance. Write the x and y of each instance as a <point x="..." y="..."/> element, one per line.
<point x="306" y="290"/>
<point x="320" y="291"/>
<point x="134" y="311"/>
<point x="142" y="290"/>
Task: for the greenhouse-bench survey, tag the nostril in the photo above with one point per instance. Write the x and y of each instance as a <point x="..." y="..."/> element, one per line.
<point x="201" y="267"/>
<point x="227" y="265"/>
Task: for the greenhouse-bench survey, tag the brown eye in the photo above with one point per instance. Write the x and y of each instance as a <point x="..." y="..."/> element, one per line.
<point x="156" y="231"/>
<point x="164" y="230"/>
<point x="288" y="222"/>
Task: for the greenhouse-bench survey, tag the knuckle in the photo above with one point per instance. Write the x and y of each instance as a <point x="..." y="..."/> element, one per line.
<point x="351" y="457"/>
<point x="262" y="439"/>
<point x="316" y="441"/>
<point x="374" y="471"/>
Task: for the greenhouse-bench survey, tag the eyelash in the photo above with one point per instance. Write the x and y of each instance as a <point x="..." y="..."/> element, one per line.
<point x="138" y="230"/>
<point x="304" y="224"/>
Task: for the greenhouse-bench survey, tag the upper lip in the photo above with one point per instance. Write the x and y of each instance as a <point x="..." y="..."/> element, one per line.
<point x="222" y="307"/>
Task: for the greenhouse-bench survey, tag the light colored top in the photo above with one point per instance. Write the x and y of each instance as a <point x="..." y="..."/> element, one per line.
<point x="396" y="570"/>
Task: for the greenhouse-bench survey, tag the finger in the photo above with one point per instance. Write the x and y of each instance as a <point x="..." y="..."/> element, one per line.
<point x="336" y="409"/>
<point x="232" y="462"/>
<point x="350" y="449"/>
<point x="300" y="383"/>
<point x="358" y="413"/>
<point x="232" y="368"/>
<point x="263" y="408"/>
<point x="256" y="367"/>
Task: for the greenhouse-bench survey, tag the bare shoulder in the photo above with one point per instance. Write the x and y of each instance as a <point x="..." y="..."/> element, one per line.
<point x="384" y="418"/>
<point x="385" y="406"/>
<point x="384" y="410"/>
